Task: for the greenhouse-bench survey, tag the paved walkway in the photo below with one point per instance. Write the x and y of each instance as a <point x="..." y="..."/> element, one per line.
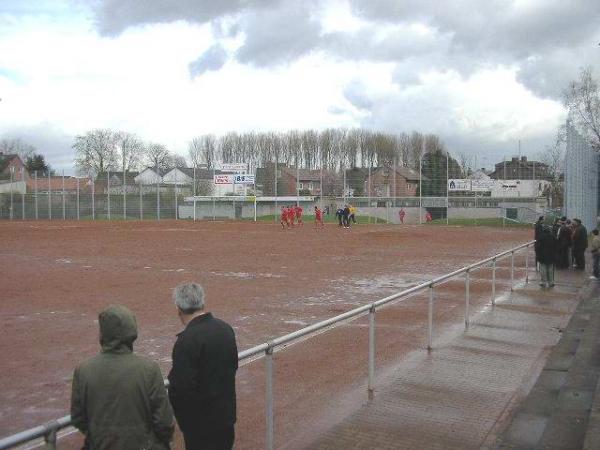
<point x="464" y="393"/>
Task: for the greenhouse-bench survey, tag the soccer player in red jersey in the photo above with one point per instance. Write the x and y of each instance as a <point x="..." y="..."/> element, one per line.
<point x="318" y="217"/>
<point x="299" y="211"/>
<point x="291" y="215"/>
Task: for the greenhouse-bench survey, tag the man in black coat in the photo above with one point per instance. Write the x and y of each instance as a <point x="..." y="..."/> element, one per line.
<point x="545" y="250"/>
<point x="202" y="380"/>
<point x="580" y="243"/>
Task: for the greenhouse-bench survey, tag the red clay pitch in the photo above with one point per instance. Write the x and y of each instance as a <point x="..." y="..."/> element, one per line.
<point x="265" y="281"/>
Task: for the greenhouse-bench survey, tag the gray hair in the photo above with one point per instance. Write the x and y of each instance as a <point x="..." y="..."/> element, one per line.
<point x="189" y="297"/>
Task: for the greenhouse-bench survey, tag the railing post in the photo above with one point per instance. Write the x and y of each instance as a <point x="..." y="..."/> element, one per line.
<point x="430" y="319"/>
<point x="527" y="264"/>
<point x="50" y="439"/>
<point x="371" y="351"/>
<point x="512" y="270"/>
<point x="494" y="281"/>
<point x="269" y="397"/>
<point x="467" y="297"/>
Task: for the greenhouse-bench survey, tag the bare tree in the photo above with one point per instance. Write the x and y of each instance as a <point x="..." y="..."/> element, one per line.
<point x="465" y="162"/>
<point x="158" y="157"/>
<point x="18" y="147"/>
<point x="553" y="156"/>
<point x="583" y="100"/>
<point x="95" y="151"/>
<point x="129" y="150"/>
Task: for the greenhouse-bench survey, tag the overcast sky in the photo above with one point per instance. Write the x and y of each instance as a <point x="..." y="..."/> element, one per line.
<point x="483" y="74"/>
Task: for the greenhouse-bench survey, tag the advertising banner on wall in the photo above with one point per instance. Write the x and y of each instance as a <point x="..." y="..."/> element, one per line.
<point x="459" y="185"/>
<point x="223" y="179"/>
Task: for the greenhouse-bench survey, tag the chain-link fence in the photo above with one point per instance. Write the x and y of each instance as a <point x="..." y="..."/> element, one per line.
<point x="68" y="198"/>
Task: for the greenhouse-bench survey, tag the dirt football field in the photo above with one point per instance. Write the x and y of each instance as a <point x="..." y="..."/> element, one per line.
<point x="55" y="277"/>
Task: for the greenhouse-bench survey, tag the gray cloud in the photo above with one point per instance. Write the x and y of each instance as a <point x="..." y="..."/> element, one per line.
<point x="278" y="35"/>
<point x="212" y="59"/>
<point x="115" y="16"/>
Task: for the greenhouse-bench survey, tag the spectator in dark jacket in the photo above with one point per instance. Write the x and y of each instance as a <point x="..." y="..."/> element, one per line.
<point x="580" y="243"/>
<point x="545" y="247"/>
<point x="202" y="380"/>
<point x="119" y="400"/>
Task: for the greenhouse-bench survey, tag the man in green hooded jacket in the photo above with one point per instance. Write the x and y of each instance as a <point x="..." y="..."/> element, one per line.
<point x="119" y="400"/>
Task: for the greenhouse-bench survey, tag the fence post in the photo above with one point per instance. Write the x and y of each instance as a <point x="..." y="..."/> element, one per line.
<point x="527" y="264"/>
<point x="194" y="208"/>
<point x="124" y="195"/>
<point x="108" y="191"/>
<point x="93" y="199"/>
<point x="78" y="217"/>
<point x="467" y="297"/>
<point x="430" y="319"/>
<point x="371" y="351"/>
<point x="157" y="195"/>
<point x="494" y="281"/>
<point x="23" y="193"/>
<point x="63" y="196"/>
<point x="269" y="397"/>
<point x="50" y="439"/>
<point x="12" y="171"/>
<point x="176" y="199"/>
<point x="49" y="198"/>
<point x="512" y="270"/>
<point x="36" y="197"/>
<point x="141" y="201"/>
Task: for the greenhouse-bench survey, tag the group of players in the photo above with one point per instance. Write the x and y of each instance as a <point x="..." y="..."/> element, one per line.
<point x="291" y="216"/>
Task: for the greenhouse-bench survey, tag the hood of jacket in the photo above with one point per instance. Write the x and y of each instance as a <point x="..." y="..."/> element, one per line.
<point x="118" y="329"/>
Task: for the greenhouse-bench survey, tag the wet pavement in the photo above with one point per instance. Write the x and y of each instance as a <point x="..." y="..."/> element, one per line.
<point x="472" y="390"/>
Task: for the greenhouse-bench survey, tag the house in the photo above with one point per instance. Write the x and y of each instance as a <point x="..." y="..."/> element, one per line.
<point x="395" y="181"/>
<point x="149" y="175"/>
<point x="291" y="179"/>
<point x="520" y="169"/>
<point x="12" y="164"/>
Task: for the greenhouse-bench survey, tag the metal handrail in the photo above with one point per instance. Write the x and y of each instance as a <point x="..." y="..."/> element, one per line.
<point x="49" y="430"/>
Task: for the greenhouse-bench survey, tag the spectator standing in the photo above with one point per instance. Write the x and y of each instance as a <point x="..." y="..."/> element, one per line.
<point x="119" y="400"/>
<point x="580" y="243"/>
<point x="595" y="250"/>
<point x="401" y="215"/>
<point x="539" y="225"/>
<point x="545" y="249"/>
<point x="563" y="244"/>
<point x="202" y="380"/>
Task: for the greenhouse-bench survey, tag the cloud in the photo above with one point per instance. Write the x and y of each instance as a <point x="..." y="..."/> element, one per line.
<point x="278" y="35"/>
<point x="212" y="59"/>
<point x="112" y="17"/>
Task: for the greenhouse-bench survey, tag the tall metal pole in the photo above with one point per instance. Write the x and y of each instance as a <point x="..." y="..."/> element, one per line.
<point x="276" y="196"/>
<point x="395" y="186"/>
<point x="369" y="188"/>
<point x="93" y="199"/>
<point x="157" y="193"/>
<point x="63" y="196"/>
<point x="36" y="196"/>
<point x="108" y="190"/>
<point x="447" y="192"/>
<point x="215" y="189"/>
<point x="49" y="198"/>
<point x="23" y="193"/>
<point x="141" y="200"/>
<point x="176" y="195"/>
<point x="78" y="217"/>
<point x="421" y="186"/>
<point x="297" y="181"/>
<point x="494" y="281"/>
<point x="12" y="171"/>
<point x="124" y="194"/>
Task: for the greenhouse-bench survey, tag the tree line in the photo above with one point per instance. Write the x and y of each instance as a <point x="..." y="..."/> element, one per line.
<point x="332" y="149"/>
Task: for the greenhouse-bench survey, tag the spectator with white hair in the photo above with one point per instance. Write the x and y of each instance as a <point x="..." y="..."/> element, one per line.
<point x="202" y="380"/>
